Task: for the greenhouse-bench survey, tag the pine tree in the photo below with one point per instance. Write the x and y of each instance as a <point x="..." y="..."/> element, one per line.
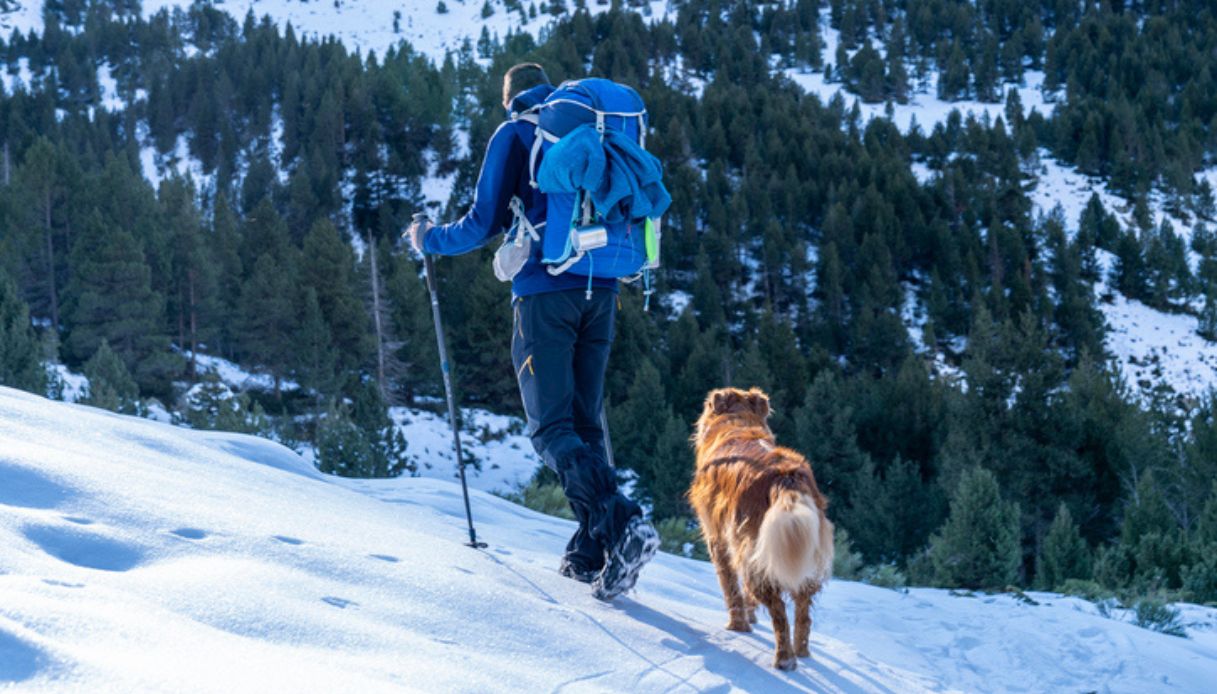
<point x="829" y="286"/>
<point x="410" y="320"/>
<point x="826" y="435"/>
<point x="642" y="435"/>
<point x="42" y="189"/>
<point x="210" y="404"/>
<point x="268" y="319"/>
<point x="1208" y="316"/>
<point x="1152" y="547"/>
<point x="316" y="360"/>
<point x="111" y="299"/>
<point x="707" y="298"/>
<point x="893" y="513"/>
<point x="1200" y="577"/>
<point x="672" y="468"/>
<point x="1064" y="554"/>
<point x="328" y="268"/>
<point x="193" y="280"/>
<point x="20" y="352"/>
<point x="979" y="545"/>
<point x="370" y="414"/>
<point x="866" y="74"/>
<point x="752" y="370"/>
<point x="110" y="384"/>
<point x="225" y="243"/>
<point x="342" y="448"/>
<point x="953" y="77"/>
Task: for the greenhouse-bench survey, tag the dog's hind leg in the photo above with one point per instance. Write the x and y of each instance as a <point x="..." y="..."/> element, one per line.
<point x="737" y="613"/>
<point x="771" y="597"/>
<point x="802" y="618"/>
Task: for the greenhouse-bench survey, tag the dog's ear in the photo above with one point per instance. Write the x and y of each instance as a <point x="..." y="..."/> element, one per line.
<point x="721" y="401"/>
<point x="759" y="402"/>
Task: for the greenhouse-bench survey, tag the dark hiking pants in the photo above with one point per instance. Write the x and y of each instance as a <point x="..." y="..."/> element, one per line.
<point x="560" y="348"/>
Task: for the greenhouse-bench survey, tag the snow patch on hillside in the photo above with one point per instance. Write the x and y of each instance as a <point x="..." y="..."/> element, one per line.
<point x="110" y="100"/>
<point x="16" y="78"/>
<point x="1155" y="350"/>
<point x="924" y="107"/>
<point x="378" y="25"/>
<point x="75" y="386"/>
<point x="237" y="376"/>
<point x="505" y="460"/>
<point x="26" y="16"/>
<point x="1059" y="184"/>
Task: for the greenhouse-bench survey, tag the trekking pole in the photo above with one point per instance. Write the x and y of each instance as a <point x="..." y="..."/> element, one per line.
<point x="420" y="218"/>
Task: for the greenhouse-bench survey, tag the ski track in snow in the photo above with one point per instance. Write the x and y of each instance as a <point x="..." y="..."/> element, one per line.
<point x="140" y="556"/>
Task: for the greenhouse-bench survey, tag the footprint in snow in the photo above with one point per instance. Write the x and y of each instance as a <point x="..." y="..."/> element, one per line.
<point x="288" y="540"/>
<point x="62" y="584"/>
<point x="340" y="603"/>
<point x="20" y="660"/>
<point x="78" y="520"/>
<point x="966" y="643"/>
<point x="385" y="557"/>
<point x="189" y="533"/>
<point x="84" y="548"/>
<point x="27" y="488"/>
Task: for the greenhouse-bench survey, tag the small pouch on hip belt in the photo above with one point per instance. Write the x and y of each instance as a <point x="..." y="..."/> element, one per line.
<point x="516" y="248"/>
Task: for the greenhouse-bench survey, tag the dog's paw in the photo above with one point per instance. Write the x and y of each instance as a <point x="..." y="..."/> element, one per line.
<point x="739" y="625"/>
<point x="752" y="615"/>
<point x="788" y="663"/>
<point x="804" y="652"/>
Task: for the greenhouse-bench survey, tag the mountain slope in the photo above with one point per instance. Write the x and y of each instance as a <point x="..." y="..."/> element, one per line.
<point x="136" y="555"/>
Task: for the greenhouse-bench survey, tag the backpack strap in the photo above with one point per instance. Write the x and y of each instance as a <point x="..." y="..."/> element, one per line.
<point x="523" y="226"/>
<point x="532" y="159"/>
<point x="556" y="270"/>
<point x="532" y="116"/>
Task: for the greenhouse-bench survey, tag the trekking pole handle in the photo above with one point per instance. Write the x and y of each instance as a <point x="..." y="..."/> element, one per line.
<point x="421" y="218"/>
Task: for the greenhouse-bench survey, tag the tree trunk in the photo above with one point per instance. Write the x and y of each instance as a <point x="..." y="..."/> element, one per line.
<point x="376" y="315"/>
<point x="50" y="261"/>
<point x="194" y="328"/>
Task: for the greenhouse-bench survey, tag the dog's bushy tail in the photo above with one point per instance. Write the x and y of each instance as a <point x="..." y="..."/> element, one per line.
<point x="794" y="544"/>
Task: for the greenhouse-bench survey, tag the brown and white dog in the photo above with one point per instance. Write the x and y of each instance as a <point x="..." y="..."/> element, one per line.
<point x="762" y="517"/>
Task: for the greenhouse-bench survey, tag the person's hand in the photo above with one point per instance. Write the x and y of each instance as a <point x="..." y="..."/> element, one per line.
<point x="415" y="233"/>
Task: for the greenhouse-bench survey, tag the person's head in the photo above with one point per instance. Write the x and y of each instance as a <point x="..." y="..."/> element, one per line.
<point x="520" y="78"/>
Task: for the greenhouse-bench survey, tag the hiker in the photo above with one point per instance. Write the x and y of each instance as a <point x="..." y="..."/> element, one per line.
<point x="562" y="333"/>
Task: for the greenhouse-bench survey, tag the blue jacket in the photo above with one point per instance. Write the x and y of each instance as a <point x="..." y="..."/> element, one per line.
<point x="504" y="174"/>
<point x="624" y="180"/>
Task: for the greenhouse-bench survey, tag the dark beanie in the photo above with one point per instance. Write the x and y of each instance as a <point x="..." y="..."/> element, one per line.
<point x="520" y="78"/>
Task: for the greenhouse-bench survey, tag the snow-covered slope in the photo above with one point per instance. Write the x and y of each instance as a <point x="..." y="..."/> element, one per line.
<point x="135" y="556"/>
<point x="1154" y="350"/>
<point x="364" y="25"/>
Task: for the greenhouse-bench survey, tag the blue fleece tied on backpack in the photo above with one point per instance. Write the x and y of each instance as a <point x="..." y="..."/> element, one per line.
<point x="623" y="180"/>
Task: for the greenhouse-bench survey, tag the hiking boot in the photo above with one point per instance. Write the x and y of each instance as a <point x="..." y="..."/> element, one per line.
<point x="580" y="574"/>
<point x="637" y="545"/>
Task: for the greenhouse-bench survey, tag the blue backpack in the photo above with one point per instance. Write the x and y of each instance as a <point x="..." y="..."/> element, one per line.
<point x="604" y="193"/>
